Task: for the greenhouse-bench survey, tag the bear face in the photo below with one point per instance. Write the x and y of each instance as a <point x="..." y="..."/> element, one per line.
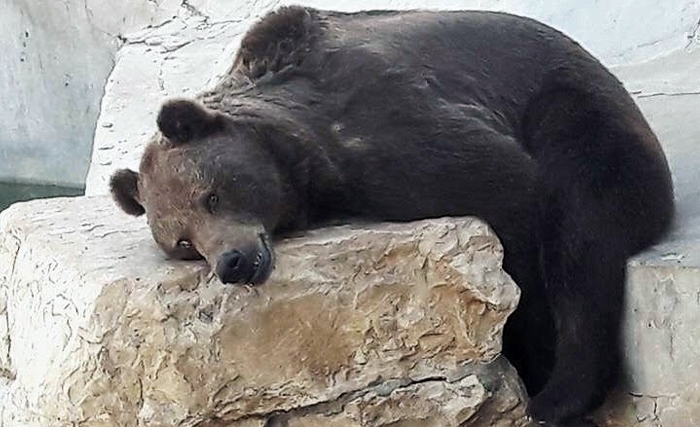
<point x="202" y="202"/>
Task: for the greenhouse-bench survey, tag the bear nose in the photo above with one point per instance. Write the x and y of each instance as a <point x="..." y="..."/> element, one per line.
<point x="233" y="267"/>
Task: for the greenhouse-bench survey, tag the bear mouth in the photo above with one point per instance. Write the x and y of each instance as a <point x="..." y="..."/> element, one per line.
<point x="262" y="264"/>
<point x="250" y="266"/>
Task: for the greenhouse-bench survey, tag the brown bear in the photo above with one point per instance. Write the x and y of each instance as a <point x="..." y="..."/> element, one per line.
<point x="399" y="116"/>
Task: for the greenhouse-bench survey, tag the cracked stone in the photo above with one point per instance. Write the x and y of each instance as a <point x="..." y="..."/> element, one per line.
<point x="359" y="325"/>
<point x="194" y="10"/>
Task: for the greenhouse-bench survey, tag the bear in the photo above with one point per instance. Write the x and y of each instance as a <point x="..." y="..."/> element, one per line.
<point x="388" y="115"/>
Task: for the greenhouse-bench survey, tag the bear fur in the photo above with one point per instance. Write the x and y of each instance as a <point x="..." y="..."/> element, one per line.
<point x="398" y="116"/>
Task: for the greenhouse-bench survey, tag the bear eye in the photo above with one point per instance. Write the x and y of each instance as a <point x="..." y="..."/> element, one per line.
<point x="184" y="244"/>
<point x="212" y="201"/>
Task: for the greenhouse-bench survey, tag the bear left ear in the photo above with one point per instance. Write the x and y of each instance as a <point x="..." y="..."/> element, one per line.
<point x="183" y="120"/>
<point x="125" y="189"/>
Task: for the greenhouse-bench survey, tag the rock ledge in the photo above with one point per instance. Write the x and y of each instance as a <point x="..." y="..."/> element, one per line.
<point x="363" y="325"/>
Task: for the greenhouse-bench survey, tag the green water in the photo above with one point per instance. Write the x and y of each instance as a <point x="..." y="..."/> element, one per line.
<point x="12" y="192"/>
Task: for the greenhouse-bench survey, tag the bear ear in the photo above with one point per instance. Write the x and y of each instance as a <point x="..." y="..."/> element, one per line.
<point x="183" y="120"/>
<point x="282" y="38"/>
<point x="124" y="188"/>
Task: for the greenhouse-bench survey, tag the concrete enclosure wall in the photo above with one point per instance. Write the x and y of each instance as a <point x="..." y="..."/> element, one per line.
<point x="55" y="59"/>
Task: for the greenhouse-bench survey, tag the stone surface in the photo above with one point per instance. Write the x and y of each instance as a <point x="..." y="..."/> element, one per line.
<point x="358" y="326"/>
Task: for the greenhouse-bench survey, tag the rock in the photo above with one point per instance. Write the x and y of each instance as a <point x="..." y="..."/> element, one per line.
<point x="362" y="325"/>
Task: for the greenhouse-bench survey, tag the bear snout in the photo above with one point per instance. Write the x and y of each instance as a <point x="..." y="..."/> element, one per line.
<point x="250" y="267"/>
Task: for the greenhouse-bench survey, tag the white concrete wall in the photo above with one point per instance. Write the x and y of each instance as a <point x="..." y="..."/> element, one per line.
<point x="55" y="58"/>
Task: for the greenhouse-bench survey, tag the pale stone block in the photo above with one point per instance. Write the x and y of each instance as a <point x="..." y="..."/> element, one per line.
<point x="359" y="325"/>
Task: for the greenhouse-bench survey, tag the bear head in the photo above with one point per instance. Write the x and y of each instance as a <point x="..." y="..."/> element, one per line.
<point x="209" y="189"/>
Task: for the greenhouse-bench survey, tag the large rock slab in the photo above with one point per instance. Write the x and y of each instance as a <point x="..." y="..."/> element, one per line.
<point x="363" y="325"/>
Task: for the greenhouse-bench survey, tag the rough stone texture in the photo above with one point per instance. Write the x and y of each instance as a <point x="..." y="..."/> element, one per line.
<point x="180" y="56"/>
<point x="358" y="326"/>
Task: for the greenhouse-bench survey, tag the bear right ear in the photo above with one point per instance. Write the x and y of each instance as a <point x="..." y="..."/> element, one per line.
<point x="282" y="38"/>
<point x="183" y="120"/>
<point x="125" y="190"/>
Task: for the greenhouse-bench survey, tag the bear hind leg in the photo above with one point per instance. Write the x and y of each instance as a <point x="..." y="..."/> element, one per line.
<point x="585" y="281"/>
<point x="605" y="194"/>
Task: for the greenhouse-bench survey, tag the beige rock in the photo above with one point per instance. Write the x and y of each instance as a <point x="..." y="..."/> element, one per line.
<point x="363" y="325"/>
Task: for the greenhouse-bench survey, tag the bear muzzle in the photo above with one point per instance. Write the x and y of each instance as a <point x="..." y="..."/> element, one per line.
<point x="249" y="266"/>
